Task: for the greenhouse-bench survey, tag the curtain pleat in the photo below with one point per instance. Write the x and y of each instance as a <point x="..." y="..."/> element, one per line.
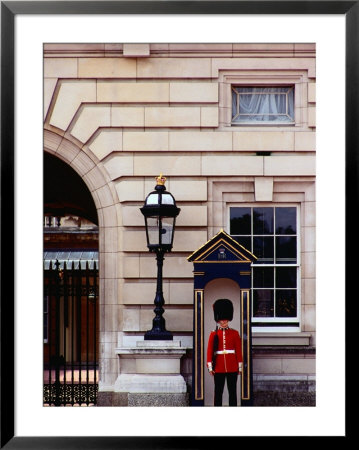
<point x="259" y="104"/>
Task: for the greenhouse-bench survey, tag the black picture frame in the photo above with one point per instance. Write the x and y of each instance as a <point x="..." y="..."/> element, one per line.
<point x="9" y="10"/>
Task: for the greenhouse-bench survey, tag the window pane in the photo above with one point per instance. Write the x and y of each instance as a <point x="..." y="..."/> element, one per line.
<point x="263" y="277"/>
<point x="263" y="304"/>
<point x="263" y="249"/>
<point x="245" y="241"/>
<point x="263" y="104"/>
<point x="286" y="250"/>
<point x="286" y="303"/>
<point x="285" y="220"/>
<point x="286" y="277"/>
<point x="240" y="221"/>
<point x="262" y="220"/>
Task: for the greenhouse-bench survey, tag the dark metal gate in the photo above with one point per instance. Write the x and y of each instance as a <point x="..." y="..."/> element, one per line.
<point x="70" y="333"/>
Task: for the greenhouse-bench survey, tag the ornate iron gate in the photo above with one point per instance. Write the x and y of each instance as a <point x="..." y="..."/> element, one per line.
<point x="70" y="334"/>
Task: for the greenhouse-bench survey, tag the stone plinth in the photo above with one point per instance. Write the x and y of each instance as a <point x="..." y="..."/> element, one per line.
<point x="152" y="367"/>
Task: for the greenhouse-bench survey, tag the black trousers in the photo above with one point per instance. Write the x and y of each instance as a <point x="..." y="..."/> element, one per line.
<point x="219" y="381"/>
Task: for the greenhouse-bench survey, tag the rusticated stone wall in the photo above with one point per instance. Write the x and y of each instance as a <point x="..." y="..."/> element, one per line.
<point x="121" y="114"/>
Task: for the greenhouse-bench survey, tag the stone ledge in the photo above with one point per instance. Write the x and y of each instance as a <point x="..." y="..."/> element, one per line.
<point x="283" y="378"/>
<point x="158" y="344"/>
<point x="272" y="339"/>
<point x="150" y="352"/>
<point x="283" y="349"/>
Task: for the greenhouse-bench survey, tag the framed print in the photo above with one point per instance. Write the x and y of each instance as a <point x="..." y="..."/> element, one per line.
<point x="250" y="119"/>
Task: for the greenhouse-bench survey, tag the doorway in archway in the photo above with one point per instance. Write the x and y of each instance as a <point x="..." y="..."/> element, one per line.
<point x="71" y="300"/>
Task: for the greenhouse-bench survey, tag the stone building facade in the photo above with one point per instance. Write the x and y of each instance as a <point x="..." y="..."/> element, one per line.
<point x="121" y="114"/>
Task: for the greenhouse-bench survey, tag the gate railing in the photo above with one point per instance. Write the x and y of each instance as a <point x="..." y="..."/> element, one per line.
<point x="70" y="335"/>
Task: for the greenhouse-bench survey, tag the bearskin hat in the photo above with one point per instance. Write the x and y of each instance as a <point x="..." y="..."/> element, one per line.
<point x="223" y="309"/>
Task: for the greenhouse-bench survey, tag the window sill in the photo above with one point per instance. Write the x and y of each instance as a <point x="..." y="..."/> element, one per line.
<point x="259" y="125"/>
<point x="272" y="339"/>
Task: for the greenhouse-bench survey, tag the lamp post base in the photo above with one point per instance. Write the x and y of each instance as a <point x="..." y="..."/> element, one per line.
<point x="153" y="377"/>
<point x="158" y="335"/>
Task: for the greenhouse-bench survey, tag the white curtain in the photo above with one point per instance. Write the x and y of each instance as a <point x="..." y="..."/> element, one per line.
<point x="259" y="104"/>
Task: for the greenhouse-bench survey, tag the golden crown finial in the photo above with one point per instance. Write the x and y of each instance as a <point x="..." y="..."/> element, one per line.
<point x="161" y="180"/>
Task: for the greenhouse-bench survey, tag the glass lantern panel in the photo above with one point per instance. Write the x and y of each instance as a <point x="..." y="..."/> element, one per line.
<point x="167" y="199"/>
<point x="153" y="230"/>
<point x="167" y="230"/>
<point x="152" y="199"/>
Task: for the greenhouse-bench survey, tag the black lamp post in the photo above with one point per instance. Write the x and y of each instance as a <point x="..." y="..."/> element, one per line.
<point x="160" y="212"/>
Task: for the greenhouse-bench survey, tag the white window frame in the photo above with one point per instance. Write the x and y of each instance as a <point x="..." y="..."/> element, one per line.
<point x="274" y="123"/>
<point x="263" y="320"/>
<point x="264" y="78"/>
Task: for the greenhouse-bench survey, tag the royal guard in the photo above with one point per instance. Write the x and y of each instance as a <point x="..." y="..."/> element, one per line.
<point x="224" y="353"/>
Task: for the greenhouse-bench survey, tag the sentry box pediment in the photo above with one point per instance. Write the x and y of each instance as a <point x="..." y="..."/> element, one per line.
<point x="222" y="248"/>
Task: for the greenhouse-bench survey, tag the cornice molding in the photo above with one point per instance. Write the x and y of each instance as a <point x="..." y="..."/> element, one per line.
<point x="213" y="50"/>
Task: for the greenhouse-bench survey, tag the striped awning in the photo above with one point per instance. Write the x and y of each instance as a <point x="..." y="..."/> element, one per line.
<point x="67" y="257"/>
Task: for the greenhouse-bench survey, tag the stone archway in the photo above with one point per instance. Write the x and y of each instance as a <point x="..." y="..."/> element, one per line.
<point x="105" y="198"/>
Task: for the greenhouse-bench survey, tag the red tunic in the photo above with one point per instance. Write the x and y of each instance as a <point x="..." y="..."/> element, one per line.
<point x="228" y="339"/>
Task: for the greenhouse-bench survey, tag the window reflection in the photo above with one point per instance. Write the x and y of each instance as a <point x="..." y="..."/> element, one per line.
<point x="286" y="277"/>
<point x="285" y="220"/>
<point x="263" y="277"/>
<point x="286" y="303"/>
<point x="263" y="249"/>
<point x="286" y="250"/>
<point x="240" y="221"/>
<point x="246" y="241"/>
<point x="263" y="303"/>
<point x="262" y="220"/>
